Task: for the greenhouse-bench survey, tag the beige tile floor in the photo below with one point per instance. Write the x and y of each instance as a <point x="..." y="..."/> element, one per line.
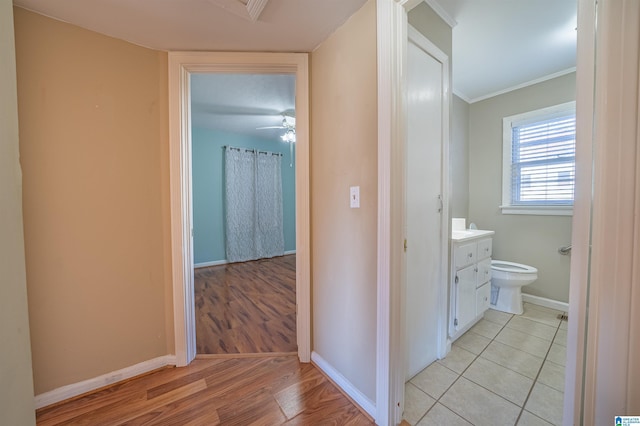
<point x="506" y="370"/>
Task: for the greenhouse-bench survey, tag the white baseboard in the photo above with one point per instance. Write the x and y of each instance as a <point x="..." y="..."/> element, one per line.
<point x="224" y="262"/>
<point x="347" y="387"/>
<point x="547" y="303"/>
<point x="75" y="389"/>
<point x="207" y="264"/>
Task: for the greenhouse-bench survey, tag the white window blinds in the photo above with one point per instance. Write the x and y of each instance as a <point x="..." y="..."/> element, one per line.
<point x="543" y="162"/>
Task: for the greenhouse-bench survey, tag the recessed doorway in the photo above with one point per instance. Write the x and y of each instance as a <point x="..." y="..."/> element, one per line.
<point x="182" y="66"/>
<point x="243" y="191"/>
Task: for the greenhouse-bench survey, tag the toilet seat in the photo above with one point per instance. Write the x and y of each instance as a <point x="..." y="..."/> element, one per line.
<point x="512" y="267"/>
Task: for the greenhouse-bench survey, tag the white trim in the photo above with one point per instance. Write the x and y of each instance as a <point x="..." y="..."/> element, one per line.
<point x="181" y="227"/>
<point x="581" y="223"/>
<point x="224" y="261"/>
<point x="181" y="65"/>
<point x="547" y="303"/>
<point x="391" y="53"/>
<point x="516" y="87"/>
<point x="207" y="264"/>
<point x="89" y="385"/>
<point x="347" y="387"/>
<point x="611" y="371"/>
<point x="441" y="12"/>
<point x="461" y="96"/>
<point x="391" y="43"/>
<point x="538" y="210"/>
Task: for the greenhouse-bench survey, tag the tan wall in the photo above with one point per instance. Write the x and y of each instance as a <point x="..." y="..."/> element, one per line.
<point x="433" y="27"/>
<point x="16" y="380"/>
<point x="459" y="158"/>
<point x="94" y="151"/>
<point x="532" y="240"/>
<point x="344" y="153"/>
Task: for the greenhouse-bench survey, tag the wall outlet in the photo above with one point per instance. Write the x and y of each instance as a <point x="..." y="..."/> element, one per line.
<point x="354" y="197"/>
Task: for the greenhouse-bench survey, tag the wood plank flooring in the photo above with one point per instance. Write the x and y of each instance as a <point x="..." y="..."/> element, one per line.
<point x="233" y="391"/>
<point x="246" y="307"/>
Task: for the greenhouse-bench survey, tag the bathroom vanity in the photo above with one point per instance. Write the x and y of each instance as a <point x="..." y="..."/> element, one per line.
<point x="470" y="286"/>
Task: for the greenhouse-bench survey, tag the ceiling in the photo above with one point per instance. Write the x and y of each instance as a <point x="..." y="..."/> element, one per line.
<point x="240" y="103"/>
<point x="497" y="44"/>
<point x="283" y="25"/>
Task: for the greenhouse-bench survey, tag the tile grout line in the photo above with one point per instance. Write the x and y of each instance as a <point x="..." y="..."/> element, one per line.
<point x="463" y="371"/>
<point x="535" y="381"/>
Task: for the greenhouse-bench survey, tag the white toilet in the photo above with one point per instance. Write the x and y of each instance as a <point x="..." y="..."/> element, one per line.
<point x="507" y="278"/>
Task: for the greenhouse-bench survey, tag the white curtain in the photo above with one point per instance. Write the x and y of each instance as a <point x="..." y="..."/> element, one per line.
<point x="254" y="228"/>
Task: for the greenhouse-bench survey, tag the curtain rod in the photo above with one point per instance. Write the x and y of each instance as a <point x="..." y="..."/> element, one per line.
<point x="253" y="150"/>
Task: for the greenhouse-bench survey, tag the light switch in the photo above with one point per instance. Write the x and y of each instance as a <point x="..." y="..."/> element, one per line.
<point x="354" y="197"/>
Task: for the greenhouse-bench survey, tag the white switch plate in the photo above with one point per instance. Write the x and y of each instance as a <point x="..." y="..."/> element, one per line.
<point x="354" y="197"/>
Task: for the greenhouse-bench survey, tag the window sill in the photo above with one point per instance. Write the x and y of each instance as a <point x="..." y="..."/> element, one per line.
<point x="538" y="210"/>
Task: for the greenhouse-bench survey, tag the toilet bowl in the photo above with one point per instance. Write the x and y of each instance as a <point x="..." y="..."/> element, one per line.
<point x="507" y="280"/>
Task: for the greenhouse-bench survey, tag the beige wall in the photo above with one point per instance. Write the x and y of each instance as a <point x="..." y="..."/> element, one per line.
<point x="94" y="152"/>
<point x="16" y="380"/>
<point x="532" y="240"/>
<point x="459" y="158"/>
<point x="344" y="153"/>
<point x="432" y="26"/>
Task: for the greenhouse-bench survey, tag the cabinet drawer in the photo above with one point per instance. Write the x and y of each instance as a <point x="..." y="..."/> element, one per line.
<point x="465" y="254"/>
<point x="484" y="248"/>
<point x="483" y="297"/>
<point x="484" y="272"/>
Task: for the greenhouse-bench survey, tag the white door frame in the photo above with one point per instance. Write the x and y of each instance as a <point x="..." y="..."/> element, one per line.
<point x="181" y="65"/>
<point x="392" y="30"/>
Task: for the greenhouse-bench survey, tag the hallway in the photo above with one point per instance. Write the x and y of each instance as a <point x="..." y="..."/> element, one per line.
<point x="230" y="391"/>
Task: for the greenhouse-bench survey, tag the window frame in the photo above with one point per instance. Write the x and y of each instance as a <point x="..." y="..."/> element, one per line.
<point x="507" y="125"/>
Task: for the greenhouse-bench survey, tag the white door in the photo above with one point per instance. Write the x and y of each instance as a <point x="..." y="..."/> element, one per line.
<point x="424" y="195"/>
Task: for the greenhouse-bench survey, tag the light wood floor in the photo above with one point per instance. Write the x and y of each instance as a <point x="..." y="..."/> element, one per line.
<point x="233" y="391"/>
<point x="246" y="307"/>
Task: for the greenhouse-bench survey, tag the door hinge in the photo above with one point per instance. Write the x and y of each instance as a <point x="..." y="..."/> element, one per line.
<point x="455" y="322"/>
<point x="440" y="204"/>
<point x="405" y="245"/>
<point x="456" y="280"/>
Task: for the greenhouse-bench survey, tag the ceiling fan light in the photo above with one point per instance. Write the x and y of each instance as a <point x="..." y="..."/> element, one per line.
<point x="289" y="136"/>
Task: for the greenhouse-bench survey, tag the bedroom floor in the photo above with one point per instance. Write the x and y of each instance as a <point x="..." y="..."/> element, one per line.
<point x="506" y="370"/>
<point x="247" y="307"/>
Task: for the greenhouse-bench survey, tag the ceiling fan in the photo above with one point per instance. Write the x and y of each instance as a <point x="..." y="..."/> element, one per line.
<point x="289" y="124"/>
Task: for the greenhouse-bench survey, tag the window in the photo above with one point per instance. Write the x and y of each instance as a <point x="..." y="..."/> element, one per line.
<point x="539" y="152"/>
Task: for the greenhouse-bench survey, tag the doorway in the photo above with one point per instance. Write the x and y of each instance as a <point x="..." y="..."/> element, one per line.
<point x="243" y="184"/>
<point x="181" y="66"/>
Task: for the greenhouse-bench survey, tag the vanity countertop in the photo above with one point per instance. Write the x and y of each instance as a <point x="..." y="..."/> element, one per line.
<point x="469" y="234"/>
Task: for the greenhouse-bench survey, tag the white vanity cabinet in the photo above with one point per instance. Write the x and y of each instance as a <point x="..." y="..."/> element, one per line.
<point x="470" y="287"/>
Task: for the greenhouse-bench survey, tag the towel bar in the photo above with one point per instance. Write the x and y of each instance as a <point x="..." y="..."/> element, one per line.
<point x="565" y="251"/>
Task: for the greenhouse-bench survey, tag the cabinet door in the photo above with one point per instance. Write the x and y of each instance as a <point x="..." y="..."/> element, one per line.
<point x="465" y="283"/>
<point x="484" y="272"/>
<point x="484" y="248"/>
<point x="464" y="254"/>
<point x="483" y="296"/>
